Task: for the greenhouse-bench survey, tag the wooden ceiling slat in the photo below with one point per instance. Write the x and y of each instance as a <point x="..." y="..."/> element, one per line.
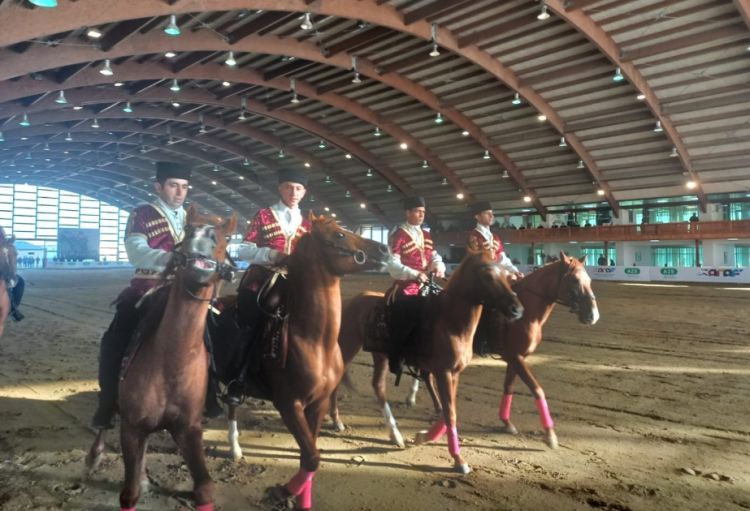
<point x="434" y="9"/>
<point x="190" y="60"/>
<point x="255" y="25"/>
<point x="287" y="69"/>
<point x="368" y="36"/>
<point x="121" y="31"/>
<point x="736" y="31"/>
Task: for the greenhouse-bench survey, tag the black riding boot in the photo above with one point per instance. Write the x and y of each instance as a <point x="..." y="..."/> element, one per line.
<point x="212" y="408"/>
<point x="111" y="352"/>
<point x="16" y="294"/>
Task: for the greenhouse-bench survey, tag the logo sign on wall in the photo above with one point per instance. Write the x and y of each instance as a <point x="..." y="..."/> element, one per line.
<point x="632" y="271"/>
<point x="669" y="272"/>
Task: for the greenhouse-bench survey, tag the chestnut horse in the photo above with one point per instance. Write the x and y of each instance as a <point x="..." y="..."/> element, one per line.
<point x="8" y="256"/>
<point x="452" y="320"/>
<point x="565" y="282"/>
<point x="164" y="383"/>
<point x="301" y="390"/>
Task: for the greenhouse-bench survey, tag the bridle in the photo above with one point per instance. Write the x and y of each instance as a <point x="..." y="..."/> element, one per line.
<point x="225" y="271"/>
<point x="572" y="299"/>
<point x="358" y="256"/>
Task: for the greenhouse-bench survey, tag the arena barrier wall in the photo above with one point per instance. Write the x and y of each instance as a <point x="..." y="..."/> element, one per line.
<point x="708" y="274"/>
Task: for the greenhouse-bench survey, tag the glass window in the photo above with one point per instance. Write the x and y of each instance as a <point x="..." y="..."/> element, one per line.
<point x="674" y="256"/>
<point x="742" y="256"/>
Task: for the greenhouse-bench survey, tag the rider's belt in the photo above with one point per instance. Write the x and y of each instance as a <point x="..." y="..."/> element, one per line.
<point x="140" y="273"/>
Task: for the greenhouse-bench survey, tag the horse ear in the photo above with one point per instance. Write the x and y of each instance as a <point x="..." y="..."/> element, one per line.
<point x="311" y="216"/>
<point x="191" y="214"/>
<point x="582" y="259"/>
<point x="230" y="224"/>
<point x="564" y="257"/>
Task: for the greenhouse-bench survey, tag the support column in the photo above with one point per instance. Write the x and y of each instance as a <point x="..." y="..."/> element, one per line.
<point x="697" y="252"/>
<point x="532" y="256"/>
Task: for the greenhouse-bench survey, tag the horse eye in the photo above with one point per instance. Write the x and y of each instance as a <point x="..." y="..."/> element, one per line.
<point x="339" y="235"/>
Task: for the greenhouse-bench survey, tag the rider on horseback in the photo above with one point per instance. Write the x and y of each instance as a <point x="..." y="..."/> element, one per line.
<point x="272" y="237"/>
<point x="15" y="288"/>
<point x="413" y="256"/>
<point x="483" y="237"/>
<point x="151" y="234"/>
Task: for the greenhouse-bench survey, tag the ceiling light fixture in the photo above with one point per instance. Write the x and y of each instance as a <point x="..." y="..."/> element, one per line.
<point x="25" y="121"/>
<point x="118" y="84"/>
<point x="348" y="156"/>
<point x="172" y="28"/>
<point x="460" y="196"/>
<point x="516" y="99"/>
<point x="362" y="205"/>
<point x="641" y="96"/>
<point x="526" y="198"/>
<point x="444" y="182"/>
<point x="563" y="143"/>
<point x="543" y="14"/>
<point x="356" y="80"/>
<point x="2" y="138"/>
<point x="674" y="153"/>
<point x="175" y="87"/>
<point x="465" y="133"/>
<point x="328" y="180"/>
<point x="425" y="165"/>
<point x="94" y="33"/>
<point x="541" y="117"/>
<point x="691" y="185"/>
<point x="293" y="84"/>
<point x="580" y="165"/>
<point x="225" y="83"/>
<point x="68" y="137"/>
<point x="486" y="155"/>
<point x="230" y="61"/>
<point x="505" y="174"/>
<point x="61" y="99"/>
<point x="307" y="164"/>
<point x="618" y="76"/>
<point x="106" y="69"/>
<point x="368" y="173"/>
<point x="322" y="144"/>
<point x="600" y="192"/>
<point x="281" y="154"/>
<point x="658" y="128"/>
<point x="170" y="54"/>
<point x="95" y="124"/>
<point x="435" y="50"/>
<point x="307" y="22"/>
<point x="127" y="108"/>
<point x="404" y="146"/>
<point x="377" y="132"/>
<point x="245" y="163"/>
<point x="348" y="194"/>
<point x="438" y="118"/>
<point x="389" y="188"/>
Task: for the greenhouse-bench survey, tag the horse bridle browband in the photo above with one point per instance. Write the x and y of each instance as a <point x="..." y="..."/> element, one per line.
<point x="572" y="301"/>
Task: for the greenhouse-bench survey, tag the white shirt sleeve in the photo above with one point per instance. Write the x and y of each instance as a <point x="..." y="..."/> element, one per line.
<point x="506" y="264"/>
<point x="398" y="270"/>
<point x="253" y="254"/>
<point x="437" y="264"/>
<point x="142" y="256"/>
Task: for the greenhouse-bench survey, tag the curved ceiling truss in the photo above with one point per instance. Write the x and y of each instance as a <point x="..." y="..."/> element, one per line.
<point x="386" y="42"/>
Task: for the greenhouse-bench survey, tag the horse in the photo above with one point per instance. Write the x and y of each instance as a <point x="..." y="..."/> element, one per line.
<point x="8" y="255"/>
<point x="301" y="386"/>
<point x="451" y="323"/>
<point x="163" y="385"/>
<point x="564" y="281"/>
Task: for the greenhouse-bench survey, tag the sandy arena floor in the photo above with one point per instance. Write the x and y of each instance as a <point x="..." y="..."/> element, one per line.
<point x="651" y="406"/>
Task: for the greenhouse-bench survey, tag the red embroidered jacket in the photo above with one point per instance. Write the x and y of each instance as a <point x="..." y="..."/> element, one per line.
<point x="495" y="247"/>
<point x="413" y="254"/>
<point x="265" y="231"/>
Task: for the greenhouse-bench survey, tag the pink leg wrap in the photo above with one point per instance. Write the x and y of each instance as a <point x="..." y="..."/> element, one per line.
<point x="453" y="446"/>
<point x="544" y="416"/>
<point x="304" y="499"/>
<point x="437" y="431"/>
<point x="127" y="509"/>
<point x="205" y="507"/>
<point x="297" y="484"/>
<point x="505" y="404"/>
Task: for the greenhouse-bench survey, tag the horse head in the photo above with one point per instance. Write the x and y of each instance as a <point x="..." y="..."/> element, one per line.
<point x="8" y="255"/>
<point x="575" y="291"/>
<point x="203" y="251"/>
<point x="487" y="282"/>
<point x="342" y="250"/>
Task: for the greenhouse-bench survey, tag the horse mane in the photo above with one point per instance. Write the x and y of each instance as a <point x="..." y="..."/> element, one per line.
<point x="154" y="303"/>
<point x="469" y="259"/>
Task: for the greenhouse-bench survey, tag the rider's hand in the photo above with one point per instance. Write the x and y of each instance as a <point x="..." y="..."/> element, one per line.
<point x="440" y="273"/>
<point x="423" y="278"/>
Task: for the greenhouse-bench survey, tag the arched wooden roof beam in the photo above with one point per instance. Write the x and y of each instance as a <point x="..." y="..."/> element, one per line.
<point x="201" y="41"/>
<point x="575" y="17"/>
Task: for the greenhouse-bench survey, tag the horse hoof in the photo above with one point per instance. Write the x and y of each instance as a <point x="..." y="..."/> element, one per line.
<point x="397" y="439"/>
<point x="462" y="468"/>
<point x="92" y="463"/>
<point x="509" y="429"/>
<point x="236" y="454"/>
<point x="552" y="440"/>
<point x="411" y="402"/>
<point x="339" y="427"/>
